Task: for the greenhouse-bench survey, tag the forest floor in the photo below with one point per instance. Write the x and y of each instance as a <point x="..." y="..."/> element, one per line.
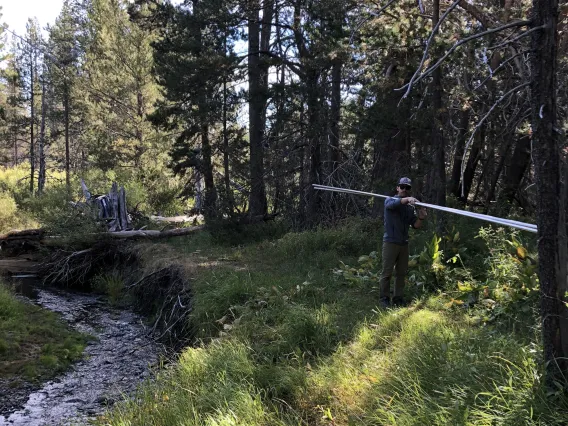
<point x="282" y="338"/>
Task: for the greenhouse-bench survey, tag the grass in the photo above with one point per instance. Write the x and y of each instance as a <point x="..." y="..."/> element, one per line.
<point x="35" y="344"/>
<point x="280" y="340"/>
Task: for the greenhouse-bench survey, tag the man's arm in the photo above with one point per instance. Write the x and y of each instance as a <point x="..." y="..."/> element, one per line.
<point x="392" y="203"/>
<point x="422" y="214"/>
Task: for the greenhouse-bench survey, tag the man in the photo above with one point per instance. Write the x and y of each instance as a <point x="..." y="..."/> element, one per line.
<point x="400" y="214"/>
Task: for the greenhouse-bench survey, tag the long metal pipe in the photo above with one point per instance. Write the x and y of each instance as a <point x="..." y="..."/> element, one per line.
<point x="500" y="221"/>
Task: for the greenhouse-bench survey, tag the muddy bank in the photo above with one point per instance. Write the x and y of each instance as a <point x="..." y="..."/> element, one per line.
<point x="120" y="357"/>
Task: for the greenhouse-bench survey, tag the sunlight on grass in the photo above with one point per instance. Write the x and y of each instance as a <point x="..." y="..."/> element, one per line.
<point x="282" y="341"/>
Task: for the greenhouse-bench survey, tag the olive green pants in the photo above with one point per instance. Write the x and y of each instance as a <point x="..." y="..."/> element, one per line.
<point x="395" y="258"/>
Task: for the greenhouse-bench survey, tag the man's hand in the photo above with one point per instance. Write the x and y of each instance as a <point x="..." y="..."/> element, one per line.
<point x="422" y="213"/>
<point x="408" y="200"/>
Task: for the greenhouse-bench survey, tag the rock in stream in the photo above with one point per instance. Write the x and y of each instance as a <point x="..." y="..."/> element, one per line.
<point x="114" y="364"/>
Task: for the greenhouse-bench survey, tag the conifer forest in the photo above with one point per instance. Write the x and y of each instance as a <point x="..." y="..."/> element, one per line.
<point x="211" y="120"/>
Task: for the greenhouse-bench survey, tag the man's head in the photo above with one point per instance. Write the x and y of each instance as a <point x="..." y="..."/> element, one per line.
<point x="404" y="186"/>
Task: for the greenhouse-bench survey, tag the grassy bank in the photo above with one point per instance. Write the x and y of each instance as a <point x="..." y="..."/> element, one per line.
<point x="35" y="344"/>
<point x="287" y="333"/>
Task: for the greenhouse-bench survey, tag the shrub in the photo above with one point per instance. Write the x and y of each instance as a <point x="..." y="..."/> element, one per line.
<point x="56" y="214"/>
<point x="8" y="208"/>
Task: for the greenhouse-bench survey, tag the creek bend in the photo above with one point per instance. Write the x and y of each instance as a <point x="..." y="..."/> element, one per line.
<point x="120" y="357"/>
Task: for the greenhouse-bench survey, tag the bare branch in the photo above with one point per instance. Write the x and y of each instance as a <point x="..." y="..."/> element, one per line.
<point x="493" y="72"/>
<point x="507" y="42"/>
<point x="468" y="144"/>
<point x="481" y="17"/>
<point x="426" y="73"/>
<point x="430" y="39"/>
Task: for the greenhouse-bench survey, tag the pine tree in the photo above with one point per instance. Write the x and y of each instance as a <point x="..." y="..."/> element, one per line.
<point x="191" y="63"/>
<point x="62" y="61"/>
<point x="13" y="130"/>
<point x="119" y="81"/>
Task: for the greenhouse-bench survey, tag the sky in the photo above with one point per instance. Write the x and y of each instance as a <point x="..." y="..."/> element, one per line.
<point x="15" y="13"/>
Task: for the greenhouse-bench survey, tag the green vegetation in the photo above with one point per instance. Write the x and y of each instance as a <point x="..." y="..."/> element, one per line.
<point x="35" y="344"/>
<point x="283" y="338"/>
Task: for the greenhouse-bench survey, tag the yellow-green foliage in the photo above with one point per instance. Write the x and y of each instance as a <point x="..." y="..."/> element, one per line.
<point x="150" y="191"/>
<point x="8" y="210"/>
<point x="15" y="180"/>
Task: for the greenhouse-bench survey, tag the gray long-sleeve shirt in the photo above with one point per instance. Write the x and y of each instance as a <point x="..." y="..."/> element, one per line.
<point x="398" y="218"/>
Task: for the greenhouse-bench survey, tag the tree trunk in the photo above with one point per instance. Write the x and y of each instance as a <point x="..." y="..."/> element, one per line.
<point x="472" y="161"/>
<point x="482" y="179"/>
<point x="67" y="155"/>
<point x="210" y="205"/>
<point x="302" y="202"/>
<point x="458" y="156"/>
<point x="551" y="216"/>
<point x="41" y="177"/>
<point x="515" y="172"/>
<point x="497" y="174"/>
<point x="139" y="150"/>
<point x="438" y="144"/>
<point x="313" y="135"/>
<point x="257" y="200"/>
<point x="32" y="155"/>
<point x="226" y="175"/>
<point x="335" y="117"/>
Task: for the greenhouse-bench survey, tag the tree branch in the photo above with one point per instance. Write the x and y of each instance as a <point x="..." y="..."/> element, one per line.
<point x="493" y="72"/>
<point x="507" y="42"/>
<point x="428" y="71"/>
<point x="428" y="43"/>
<point x="483" y="19"/>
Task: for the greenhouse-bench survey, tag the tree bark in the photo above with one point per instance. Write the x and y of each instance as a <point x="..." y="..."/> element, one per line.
<point x="473" y="160"/>
<point x="551" y="216"/>
<point x="438" y="144"/>
<point x="335" y="112"/>
<point x="257" y="199"/>
<point x="210" y="204"/>
<point x="156" y="234"/>
<point x="32" y="155"/>
<point x="458" y="156"/>
<point x="67" y="153"/>
<point x="497" y="174"/>
<point x="41" y="177"/>
<point x="313" y="135"/>
<point x="226" y="174"/>
<point x="515" y="172"/>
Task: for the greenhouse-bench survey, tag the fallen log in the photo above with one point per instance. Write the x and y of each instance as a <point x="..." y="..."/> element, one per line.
<point x="12" y="266"/>
<point x="174" y="219"/>
<point x="144" y="233"/>
<point x="39" y="235"/>
<point x="32" y="234"/>
<point x="15" y="243"/>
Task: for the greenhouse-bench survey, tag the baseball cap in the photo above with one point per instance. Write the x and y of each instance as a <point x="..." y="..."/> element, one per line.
<point x="405" y="181"/>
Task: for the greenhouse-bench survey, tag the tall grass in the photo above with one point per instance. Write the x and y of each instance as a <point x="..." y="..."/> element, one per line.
<point x="281" y="340"/>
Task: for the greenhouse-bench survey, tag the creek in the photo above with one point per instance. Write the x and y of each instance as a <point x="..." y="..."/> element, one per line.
<point x="120" y="357"/>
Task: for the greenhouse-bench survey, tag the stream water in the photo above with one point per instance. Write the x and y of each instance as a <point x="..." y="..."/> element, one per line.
<point x="120" y="357"/>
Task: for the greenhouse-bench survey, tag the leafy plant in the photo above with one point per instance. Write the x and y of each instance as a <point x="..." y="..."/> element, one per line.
<point x="367" y="272"/>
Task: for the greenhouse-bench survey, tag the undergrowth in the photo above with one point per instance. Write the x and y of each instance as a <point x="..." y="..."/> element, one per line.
<point x="280" y="339"/>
